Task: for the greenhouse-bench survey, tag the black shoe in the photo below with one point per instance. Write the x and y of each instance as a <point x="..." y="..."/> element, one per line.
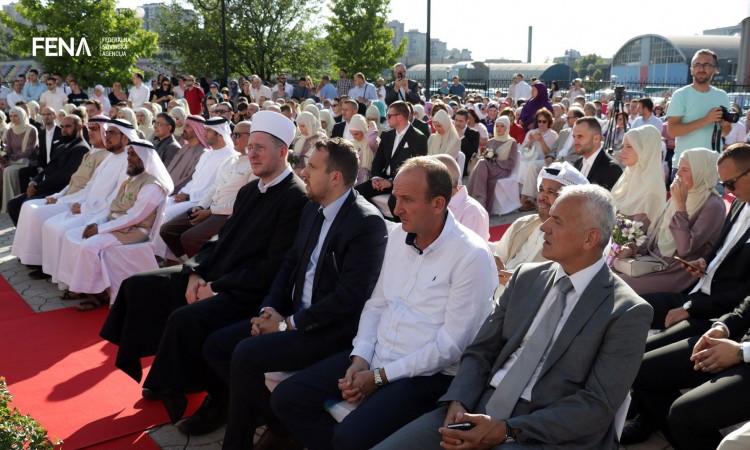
<point x="210" y="417"/>
<point x="175" y="404"/>
<point x="151" y="394"/>
<point x="38" y="275"/>
<point x="638" y="430"/>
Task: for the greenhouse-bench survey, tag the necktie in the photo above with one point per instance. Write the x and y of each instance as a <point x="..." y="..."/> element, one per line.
<point x="508" y="391"/>
<point x="302" y="266"/>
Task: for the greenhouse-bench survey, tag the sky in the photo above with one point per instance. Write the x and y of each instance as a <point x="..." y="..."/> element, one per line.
<point x="493" y="29"/>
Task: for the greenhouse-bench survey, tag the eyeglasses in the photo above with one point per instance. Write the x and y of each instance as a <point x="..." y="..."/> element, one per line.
<point x="542" y="121"/>
<point x="93" y="127"/>
<point x="222" y="111"/>
<point x="730" y="183"/>
<point x="237" y="134"/>
<point x="112" y="133"/>
<point x="160" y="124"/>
<point x="704" y="66"/>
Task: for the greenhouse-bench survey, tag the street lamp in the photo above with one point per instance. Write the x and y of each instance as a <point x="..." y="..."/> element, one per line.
<point x="223" y="33"/>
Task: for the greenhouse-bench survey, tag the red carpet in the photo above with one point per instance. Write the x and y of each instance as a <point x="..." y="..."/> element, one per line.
<point x="12" y="305"/>
<point x="497" y="232"/>
<point x="60" y="372"/>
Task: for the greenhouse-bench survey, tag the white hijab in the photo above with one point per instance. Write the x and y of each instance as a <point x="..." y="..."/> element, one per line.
<point x="359" y="123"/>
<point x="640" y="189"/>
<point x="147" y="127"/>
<point x="447" y="143"/>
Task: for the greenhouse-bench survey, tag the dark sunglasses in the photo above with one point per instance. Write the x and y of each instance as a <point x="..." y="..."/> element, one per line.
<point x="237" y="134"/>
<point x="730" y="183"/>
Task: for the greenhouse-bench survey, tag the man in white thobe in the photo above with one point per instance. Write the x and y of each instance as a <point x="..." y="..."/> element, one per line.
<point x="94" y="203"/>
<point x="218" y="136"/>
<point x="130" y="218"/>
<point x="27" y="242"/>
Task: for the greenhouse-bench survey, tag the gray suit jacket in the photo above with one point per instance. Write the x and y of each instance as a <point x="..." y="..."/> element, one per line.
<point x="555" y="150"/>
<point x="590" y="366"/>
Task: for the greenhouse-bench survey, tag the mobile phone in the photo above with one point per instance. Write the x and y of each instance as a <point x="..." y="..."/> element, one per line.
<point x="189" y="214"/>
<point x="463" y="426"/>
<point x="689" y="264"/>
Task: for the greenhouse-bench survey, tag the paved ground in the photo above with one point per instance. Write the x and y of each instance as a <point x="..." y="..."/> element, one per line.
<point x="44" y="296"/>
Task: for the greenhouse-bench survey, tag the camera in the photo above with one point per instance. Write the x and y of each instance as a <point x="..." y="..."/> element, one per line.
<point x="400" y="76"/>
<point x="730" y="116"/>
<point x="619" y="92"/>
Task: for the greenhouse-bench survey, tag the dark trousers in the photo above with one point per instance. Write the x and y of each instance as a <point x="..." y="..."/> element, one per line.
<point x="300" y="403"/>
<point x="693" y="420"/>
<point x="25" y="175"/>
<point x="663" y="302"/>
<point x="182" y="238"/>
<point x="241" y="360"/>
<point x="140" y="312"/>
<point x="368" y="192"/>
<point x="179" y="365"/>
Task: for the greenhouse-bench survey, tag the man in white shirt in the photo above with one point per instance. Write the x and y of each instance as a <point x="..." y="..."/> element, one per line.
<point x="139" y="93"/>
<point x="185" y="234"/>
<point x="362" y="91"/>
<point x="467" y="211"/>
<point x="519" y="88"/>
<point x="16" y="95"/>
<point x="259" y="91"/>
<point x="55" y="98"/>
<point x="434" y="291"/>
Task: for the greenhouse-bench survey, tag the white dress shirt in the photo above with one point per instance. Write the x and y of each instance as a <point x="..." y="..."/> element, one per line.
<point x="588" y="162"/>
<point x="139" y="95"/>
<point x="49" y="133"/>
<point x="233" y="174"/>
<point x="206" y="172"/>
<point x="264" y="187"/>
<point x="427" y="306"/>
<point x="580" y="281"/>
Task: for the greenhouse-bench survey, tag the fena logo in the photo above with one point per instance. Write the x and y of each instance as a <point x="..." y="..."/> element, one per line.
<point x="56" y="46"/>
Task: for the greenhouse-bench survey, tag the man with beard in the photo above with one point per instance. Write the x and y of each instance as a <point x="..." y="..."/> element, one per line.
<point x="183" y="164"/>
<point x="695" y="110"/>
<point x="49" y="136"/>
<point x="91" y="205"/>
<point x="64" y="160"/>
<point x="129" y="220"/>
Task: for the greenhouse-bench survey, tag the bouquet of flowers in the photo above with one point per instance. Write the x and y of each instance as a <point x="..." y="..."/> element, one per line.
<point x="626" y="231"/>
<point x="490" y="155"/>
<point x="293" y="159"/>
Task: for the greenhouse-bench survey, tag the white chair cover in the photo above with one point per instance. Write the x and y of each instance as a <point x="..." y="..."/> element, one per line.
<point x="507" y="195"/>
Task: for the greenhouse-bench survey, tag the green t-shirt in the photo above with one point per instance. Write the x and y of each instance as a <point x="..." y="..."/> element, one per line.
<point x="692" y="105"/>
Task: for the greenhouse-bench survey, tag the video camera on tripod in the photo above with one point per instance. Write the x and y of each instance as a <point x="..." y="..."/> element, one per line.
<point x="617" y="107"/>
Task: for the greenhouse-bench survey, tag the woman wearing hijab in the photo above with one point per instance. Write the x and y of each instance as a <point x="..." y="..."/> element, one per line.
<point x="688" y="227"/>
<point x="20" y="141"/>
<point x="326" y="121"/>
<point x="309" y="132"/>
<point x="366" y="141"/>
<point x="372" y="114"/>
<point x="500" y="158"/>
<point x="179" y="116"/>
<point x="445" y="140"/>
<point x="539" y="100"/>
<point x="640" y="193"/>
<point x="145" y="122"/>
<point x="103" y="99"/>
<point x="129" y="115"/>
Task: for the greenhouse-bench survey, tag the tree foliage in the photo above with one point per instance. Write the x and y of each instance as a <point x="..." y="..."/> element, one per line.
<point x="586" y="65"/>
<point x="263" y="37"/>
<point x="360" y="40"/>
<point x="78" y="19"/>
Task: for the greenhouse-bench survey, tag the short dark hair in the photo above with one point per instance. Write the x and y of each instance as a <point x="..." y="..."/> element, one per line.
<point x="139" y="75"/>
<point x="95" y="102"/>
<point x="342" y="157"/>
<point x="576" y="112"/>
<point x="464" y="113"/>
<point x="170" y="121"/>
<point x="544" y="112"/>
<point x="439" y="182"/>
<point x="592" y="122"/>
<point x="401" y="108"/>
<point x="647" y="103"/>
<point x="352" y="102"/>
<point x="739" y="153"/>
<point x="285" y="107"/>
<point x="242" y="106"/>
<point x="705" y="51"/>
<point x="34" y="71"/>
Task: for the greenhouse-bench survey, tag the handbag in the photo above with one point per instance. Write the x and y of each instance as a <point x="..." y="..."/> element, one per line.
<point x="475" y="158"/>
<point x="528" y="153"/>
<point x="640" y="265"/>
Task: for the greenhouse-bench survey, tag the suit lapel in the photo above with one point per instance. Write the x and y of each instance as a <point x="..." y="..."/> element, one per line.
<point x="350" y="199"/>
<point x="595" y="293"/>
<point x="743" y="238"/>
<point x="403" y="142"/>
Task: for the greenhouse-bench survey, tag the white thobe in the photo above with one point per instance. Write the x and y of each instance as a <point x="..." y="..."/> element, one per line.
<point x="233" y="174"/>
<point x="83" y="270"/>
<point x="95" y="199"/>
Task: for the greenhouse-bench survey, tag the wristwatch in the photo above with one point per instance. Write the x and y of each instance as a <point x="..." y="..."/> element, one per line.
<point x="282" y="325"/>
<point x="686" y="306"/>
<point x="510" y="436"/>
<point x="378" y="378"/>
<point x="741" y="353"/>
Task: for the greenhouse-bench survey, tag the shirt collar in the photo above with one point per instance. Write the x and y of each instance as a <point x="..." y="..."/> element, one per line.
<point x="590" y="159"/>
<point x="458" y="201"/>
<point x="264" y="187"/>
<point x="331" y="211"/>
<point x="403" y="132"/>
<point x="450" y="224"/>
<point x="583" y="277"/>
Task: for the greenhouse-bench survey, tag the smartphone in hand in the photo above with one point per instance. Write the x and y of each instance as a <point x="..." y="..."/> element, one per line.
<point x="693" y="266"/>
<point x="463" y="426"/>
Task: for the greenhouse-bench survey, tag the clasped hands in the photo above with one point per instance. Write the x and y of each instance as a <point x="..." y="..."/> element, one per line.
<point x="359" y="381"/>
<point x="267" y="322"/>
<point x="714" y="352"/>
<point x="487" y="432"/>
<point x="380" y="183"/>
<point x="197" y="289"/>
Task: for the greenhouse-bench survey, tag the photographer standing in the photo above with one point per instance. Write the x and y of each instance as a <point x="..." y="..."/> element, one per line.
<point x="695" y="112"/>
<point x="402" y="88"/>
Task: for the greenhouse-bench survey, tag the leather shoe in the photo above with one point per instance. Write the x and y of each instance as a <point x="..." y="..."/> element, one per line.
<point x="272" y="441"/>
<point x="638" y="430"/>
<point x="38" y="275"/>
<point x="152" y="394"/>
<point x="211" y="415"/>
<point x="175" y="404"/>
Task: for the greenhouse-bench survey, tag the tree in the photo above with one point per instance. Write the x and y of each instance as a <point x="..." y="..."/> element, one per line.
<point x="586" y="64"/>
<point x="359" y="37"/>
<point x="263" y="37"/>
<point x="97" y="22"/>
<point x="6" y="36"/>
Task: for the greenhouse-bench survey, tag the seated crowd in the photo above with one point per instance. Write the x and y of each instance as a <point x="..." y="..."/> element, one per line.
<point x="239" y="237"/>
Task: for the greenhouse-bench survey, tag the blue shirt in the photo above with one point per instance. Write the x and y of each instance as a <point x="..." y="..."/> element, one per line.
<point x="459" y="90"/>
<point x="33" y="91"/>
<point x="367" y="91"/>
<point x="328" y="91"/>
<point x="692" y="105"/>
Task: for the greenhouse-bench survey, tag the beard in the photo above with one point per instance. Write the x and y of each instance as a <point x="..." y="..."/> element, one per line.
<point x="67" y="139"/>
<point x="135" y="170"/>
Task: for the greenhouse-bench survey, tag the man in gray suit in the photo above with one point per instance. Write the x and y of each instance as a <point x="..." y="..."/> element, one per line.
<point x="584" y="368"/>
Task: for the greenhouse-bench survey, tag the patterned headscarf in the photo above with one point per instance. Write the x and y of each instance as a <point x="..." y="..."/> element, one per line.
<point x="198" y="124"/>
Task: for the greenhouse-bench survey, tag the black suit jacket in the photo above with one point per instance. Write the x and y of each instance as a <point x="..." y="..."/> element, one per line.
<point x="730" y="283"/>
<point x="64" y="161"/>
<point x="469" y="143"/>
<point x="412" y="96"/>
<point x="605" y="171"/>
<point x="41" y="160"/>
<point x="338" y="129"/>
<point x="421" y="126"/>
<point x="345" y="275"/>
<point x="413" y="144"/>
